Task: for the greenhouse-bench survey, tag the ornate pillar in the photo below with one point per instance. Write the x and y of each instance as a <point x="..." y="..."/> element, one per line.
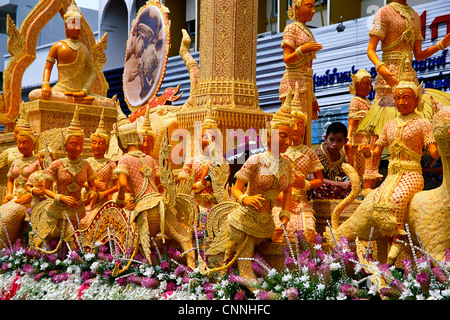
<point x="227" y="71"/>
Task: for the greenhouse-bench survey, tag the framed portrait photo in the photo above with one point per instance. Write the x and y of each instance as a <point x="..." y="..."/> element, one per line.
<point x="146" y="54"/>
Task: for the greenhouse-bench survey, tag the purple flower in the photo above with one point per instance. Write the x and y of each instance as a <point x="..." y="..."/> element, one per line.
<point x="38" y="276"/>
<point x="348" y="290"/>
<point x="74" y="256"/>
<point x="210" y="296"/>
<point x="5" y="266"/>
<point x="240" y="295"/>
<point x="27" y="268"/>
<point x="447" y="255"/>
<point x="325" y="271"/>
<point x="268" y="295"/>
<point x="165" y="266"/>
<point x="171" y="286"/>
<point x="292" y="293"/>
<point x="149" y="283"/>
<point x="134" y="279"/>
<point x="397" y="285"/>
<point x="289" y="263"/>
<point x="407" y="266"/>
<point x="422" y="278"/>
<point x="173" y="253"/>
<point x="86" y="275"/>
<point x="60" y="277"/>
<point x="122" y="281"/>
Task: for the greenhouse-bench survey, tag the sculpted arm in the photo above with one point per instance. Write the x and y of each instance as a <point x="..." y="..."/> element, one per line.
<point x="51" y="58"/>
<point x="382" y="69"/>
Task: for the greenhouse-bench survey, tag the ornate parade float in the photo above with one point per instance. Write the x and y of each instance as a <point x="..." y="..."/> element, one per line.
<point x="100" y="205"/>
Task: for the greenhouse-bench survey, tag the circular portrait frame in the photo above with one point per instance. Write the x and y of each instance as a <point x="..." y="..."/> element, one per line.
<point x="146" y="54"/>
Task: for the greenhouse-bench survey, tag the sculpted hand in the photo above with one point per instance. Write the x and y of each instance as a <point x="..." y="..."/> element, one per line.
<point x="315" y="110"/>
<point x="100" y="185"/>
<point x="253" y="201"/>
<point x="23" y="199"/>
<point x="299" y="181"/>
<point x="388" y="76"/>
<point x="7" y="198"/>
<point x="365" y="150"/>
<point x="45" y="91"/>
<point x="311" y="46"/>
<point x="69" y="201"/>
<point x="80" y="93"/>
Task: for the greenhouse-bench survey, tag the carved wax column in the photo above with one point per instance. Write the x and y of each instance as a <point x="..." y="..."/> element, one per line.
<point x="227" y="72"/>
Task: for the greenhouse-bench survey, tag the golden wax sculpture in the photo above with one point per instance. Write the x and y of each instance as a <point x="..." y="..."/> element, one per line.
<point x="22" y="47"/>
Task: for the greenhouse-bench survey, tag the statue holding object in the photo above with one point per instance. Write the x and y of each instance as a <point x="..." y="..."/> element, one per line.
<point x="299" y="50"/>
<point x="397" y="27"/>
<point x="386" y="208"/>
<point x="59" y="217"/>
<point x="304" y="161"/>
<point x="236" y="228"/>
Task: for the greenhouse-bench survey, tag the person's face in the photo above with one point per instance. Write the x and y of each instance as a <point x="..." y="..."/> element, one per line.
<point x="281" y="138"/>
<point x="335" y="142"/>
<point x="306" y="11"/>
<point x="73" y="28"/>
<point x="364" y="87"/>
<point x="74" y="147"/>
<point x="99" y="147"/>
<point x="405" y="101"/>
<point x="297" y="131"/>
<point x="147" y="144"/>
<point x="25" y="145"/>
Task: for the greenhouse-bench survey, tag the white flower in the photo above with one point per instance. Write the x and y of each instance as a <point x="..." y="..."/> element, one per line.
<point x="420" y="297"/>
<point x="287" y="277"/>
<point x="317" y="246"/>
<point x="277" y="287"/>
<point x="445" y="292"/>
<point x="320" y="286"/>
<point x="44" y="266"/>
<point x="373" y="290"/>
<point x="272" y="272"/>
<point x="405" y="293"/>
<point x="341" y="296"/>
<point x="304" y="278"/>
<point x="305" y="269"/>
<point x="149" y="271"/>
<point x="89" y="256"/>
<point x="435" y="295"/>
<point x="95" y="265"/>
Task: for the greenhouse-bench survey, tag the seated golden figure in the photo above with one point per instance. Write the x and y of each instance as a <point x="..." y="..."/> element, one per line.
<point x="76" y="70"/>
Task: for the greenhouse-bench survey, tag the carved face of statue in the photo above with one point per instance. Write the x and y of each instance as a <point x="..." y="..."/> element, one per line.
<point x="99" y="147"/>
<point x="297" y="131"/>
<point x="74" y="147"/>
<point x="364" y="87"/>
<point x="147" y="144"/>
<point x="73" y="28"/>
<point x="306" y="11"/>
<point x="25" y="145"/>
<point x="280" y="138"/>
<point x="405" y="101"/>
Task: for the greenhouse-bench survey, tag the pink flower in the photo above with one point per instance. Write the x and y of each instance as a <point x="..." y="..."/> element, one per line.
<point x="292" y="293"/>
<point x="240" y="295"/>
<point x="440" y="275"/>
<point x="149" y="283"/>
<point x="165" y="266"/>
